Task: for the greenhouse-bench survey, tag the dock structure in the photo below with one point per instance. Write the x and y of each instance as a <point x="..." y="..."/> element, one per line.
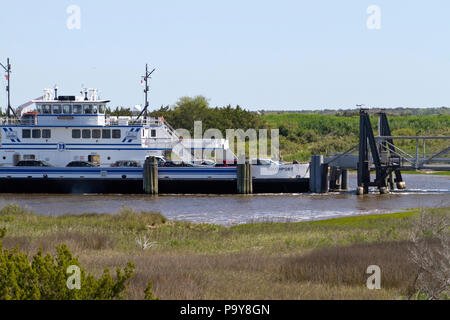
<point x="380" y="154"/>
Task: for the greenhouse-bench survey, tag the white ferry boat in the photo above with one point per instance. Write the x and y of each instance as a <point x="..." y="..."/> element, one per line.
<point x="62" y="129"/>
<point x="59" y="130"/>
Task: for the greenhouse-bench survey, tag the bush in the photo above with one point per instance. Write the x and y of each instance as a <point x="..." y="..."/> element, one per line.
<point x="45" y="277"/>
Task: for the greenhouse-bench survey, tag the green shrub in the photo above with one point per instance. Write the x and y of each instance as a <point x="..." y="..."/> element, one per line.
<point x="45" y="277"/>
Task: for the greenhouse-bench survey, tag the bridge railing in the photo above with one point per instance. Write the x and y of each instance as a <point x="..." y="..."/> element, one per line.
<point x="421" y="157"/>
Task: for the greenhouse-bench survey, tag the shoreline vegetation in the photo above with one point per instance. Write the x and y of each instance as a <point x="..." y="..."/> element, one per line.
<point x="324" y="259"/>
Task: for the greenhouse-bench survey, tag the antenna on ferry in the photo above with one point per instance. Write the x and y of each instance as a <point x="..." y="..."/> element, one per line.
<point x="8" y="87"/>
<point x="146" y="90"/>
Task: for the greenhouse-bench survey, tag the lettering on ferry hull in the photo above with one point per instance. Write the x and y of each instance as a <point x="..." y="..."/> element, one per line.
<point x="65" y="118"/>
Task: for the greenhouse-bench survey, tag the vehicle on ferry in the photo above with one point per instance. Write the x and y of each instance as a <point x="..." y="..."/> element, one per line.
<point x="33" y="163"/>
<point x="81" y="164"/>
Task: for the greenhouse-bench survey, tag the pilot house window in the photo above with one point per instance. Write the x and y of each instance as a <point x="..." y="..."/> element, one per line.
<point x="67" y="109"/>
<point x="77" y="109"/>
<point x="46" y="108"/>
<point x="88" y="109"/>
<point x="56" y="109"/>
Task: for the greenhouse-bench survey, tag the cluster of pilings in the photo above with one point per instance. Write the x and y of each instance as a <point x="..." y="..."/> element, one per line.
<point x="244" y="179"/>
<point x="324" y="178"/>
<point x="338" y="179"/>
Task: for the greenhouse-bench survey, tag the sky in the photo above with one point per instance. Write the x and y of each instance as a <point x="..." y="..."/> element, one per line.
<point x="277" y="55"/>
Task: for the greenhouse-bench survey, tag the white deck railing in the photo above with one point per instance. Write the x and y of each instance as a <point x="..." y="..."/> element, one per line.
<point x="129" y="121"/>
<point x="109" y="121"/>
<point x="4" y="121"/>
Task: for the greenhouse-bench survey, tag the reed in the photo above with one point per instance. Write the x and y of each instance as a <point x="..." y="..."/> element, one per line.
<point x="262" y="260"/>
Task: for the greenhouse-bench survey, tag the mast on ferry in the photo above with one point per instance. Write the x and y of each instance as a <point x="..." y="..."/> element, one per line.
<point x="8" y="87"/>
<point x="146" y="90"/>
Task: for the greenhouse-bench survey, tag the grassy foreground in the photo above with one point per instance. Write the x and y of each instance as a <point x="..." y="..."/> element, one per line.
<point x="308" y="260"/>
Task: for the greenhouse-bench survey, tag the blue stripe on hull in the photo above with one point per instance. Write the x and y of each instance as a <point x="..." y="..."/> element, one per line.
<point x="162" y="170"/>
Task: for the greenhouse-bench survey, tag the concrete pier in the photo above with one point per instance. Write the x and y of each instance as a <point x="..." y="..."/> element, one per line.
<point x="318" y="181"/>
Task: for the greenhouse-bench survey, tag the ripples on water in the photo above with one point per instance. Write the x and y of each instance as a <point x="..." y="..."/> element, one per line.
<point x="423" y="191"/>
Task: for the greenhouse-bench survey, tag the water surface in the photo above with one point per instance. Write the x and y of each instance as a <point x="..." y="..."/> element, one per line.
<point x="422" y="191"/>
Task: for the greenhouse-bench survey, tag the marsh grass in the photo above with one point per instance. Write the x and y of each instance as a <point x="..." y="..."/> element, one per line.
<point x="347" y="265"/>
<point x="264" y="260"/>
<point x="228" y="276"/>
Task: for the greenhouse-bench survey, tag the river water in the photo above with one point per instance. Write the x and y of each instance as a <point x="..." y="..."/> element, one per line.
<point x="422" y="191"/>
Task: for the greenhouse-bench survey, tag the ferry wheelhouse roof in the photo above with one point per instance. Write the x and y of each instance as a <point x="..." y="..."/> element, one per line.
<point x="66" y="110"/>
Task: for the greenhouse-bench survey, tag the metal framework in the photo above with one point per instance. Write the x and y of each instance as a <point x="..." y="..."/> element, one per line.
<point x="420" y="160"/>
<point x="380" y="154"/>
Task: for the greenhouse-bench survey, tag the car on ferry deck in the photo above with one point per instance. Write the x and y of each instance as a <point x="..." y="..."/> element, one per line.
<point x="33" y="163"/>
<point x="127" y="164"/>
<point x="177" y="164"/>
<point x="81" y="164"/>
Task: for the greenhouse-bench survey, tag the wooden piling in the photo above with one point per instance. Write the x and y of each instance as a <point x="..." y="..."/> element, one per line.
<point x="240" y="175"/>
<point x="150" y="176"/>
<point x="391" y="181"/>
<point x="154" y="166"/>
<point x="244" y="177"/>
<point x="324" y="178"/>
<point x="335" y="179"/>
<point x="344" y="180"/>
<point x="249" y="178"/>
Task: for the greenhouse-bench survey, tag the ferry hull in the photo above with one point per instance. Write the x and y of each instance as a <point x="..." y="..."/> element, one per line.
<point x="135" y="186"/>
<point x="172" y="180"/>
